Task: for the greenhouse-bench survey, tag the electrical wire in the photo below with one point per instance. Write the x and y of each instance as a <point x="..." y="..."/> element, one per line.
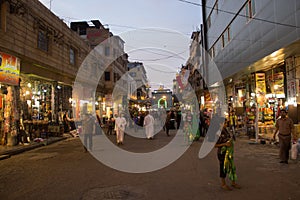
<point x="238" y="14"/>
<point x="157" y="70"/>
<point x="165" y="58"/>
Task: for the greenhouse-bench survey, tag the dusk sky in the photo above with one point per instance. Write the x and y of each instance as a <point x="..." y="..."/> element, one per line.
<point x="155" y="32"/>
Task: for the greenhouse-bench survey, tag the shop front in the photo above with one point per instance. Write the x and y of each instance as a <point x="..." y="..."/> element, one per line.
<point x="257" y="100"/>
<point x="9" y="96"/>
<point x="43" y="104"/>
<point x="31" y="105"/>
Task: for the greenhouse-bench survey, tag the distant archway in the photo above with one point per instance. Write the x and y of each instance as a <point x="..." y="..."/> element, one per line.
<point x="164" y="102"/>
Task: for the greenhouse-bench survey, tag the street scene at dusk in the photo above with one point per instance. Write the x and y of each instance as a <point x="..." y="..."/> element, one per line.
<point x="171" y="99"/>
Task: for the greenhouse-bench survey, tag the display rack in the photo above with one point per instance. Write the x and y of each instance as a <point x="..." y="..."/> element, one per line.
<point x="250" y="119"/>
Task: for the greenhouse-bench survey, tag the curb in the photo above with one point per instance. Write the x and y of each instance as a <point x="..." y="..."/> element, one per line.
<point x="9" y="153"/>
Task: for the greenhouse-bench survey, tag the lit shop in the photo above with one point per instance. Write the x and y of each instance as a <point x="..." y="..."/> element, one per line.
<point x="43" y="104"/>
<point x="9" y="96"/>
<point x="257" y="99"/>
<point x="30" y="104"/>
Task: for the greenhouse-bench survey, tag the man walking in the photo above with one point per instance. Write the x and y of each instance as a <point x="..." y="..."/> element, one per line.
<point x="88" y="127"/>
<point x="120" y="128"/>
<point x="149" y="125"/>
<point x="285" y="126"/>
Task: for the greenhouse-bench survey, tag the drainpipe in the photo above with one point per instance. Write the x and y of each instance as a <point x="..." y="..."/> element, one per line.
<point x="204" y="40"/>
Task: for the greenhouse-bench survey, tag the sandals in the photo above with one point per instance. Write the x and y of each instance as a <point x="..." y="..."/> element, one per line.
<point x="226" y="187"/>
<point x="236" y="186"/>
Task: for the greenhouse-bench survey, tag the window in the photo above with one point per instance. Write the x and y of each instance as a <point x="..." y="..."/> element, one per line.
<point x="212" y="52"/>
<point x="208" y="22"/>
<point x="72" y="56"/>
<point x="107" y="49"/>
<point x="226" y="37"/>
<point x="115" y="77"/>
<point x="250" y="9"/>
<point x="228" y="34"/>
<point x="132" y="74"/>
<point x="107" y="76"/>
<point x="210" y="16"/>
<point x="43" y="40"/>
<point x="223" y="41"/>
<point x="216" y="7"/>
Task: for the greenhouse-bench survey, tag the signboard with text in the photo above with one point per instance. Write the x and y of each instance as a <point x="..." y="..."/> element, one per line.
<point x="9" y="69"/>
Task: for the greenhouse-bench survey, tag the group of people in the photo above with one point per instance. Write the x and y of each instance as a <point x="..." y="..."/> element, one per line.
<point x="225" y="143"/>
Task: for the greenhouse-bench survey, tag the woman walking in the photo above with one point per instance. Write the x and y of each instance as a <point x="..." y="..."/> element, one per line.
<point x="225" y="147"/>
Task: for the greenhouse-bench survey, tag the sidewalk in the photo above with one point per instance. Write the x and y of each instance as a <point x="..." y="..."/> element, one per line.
<point x="7" y="151"/>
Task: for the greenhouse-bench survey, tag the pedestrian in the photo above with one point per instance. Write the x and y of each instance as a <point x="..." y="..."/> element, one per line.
<point x="163" y="116"/>
<point x="225" y="145"/>
<point x="120" y="128"/>
<point x="88" y="128"/>
<point x="178" y="119"/>
<point x="285" y="126"/>
<point x="135" y="122"/>
<point x="111" y="126"/>
<point x="141" y="119"/>
<point x="206" y="122"/>
<point x="98" y="125"/>
<point x="149" y="125"/>
<point x="233" y="121"/>
<point x="168" y="123"/>
<point x="201" y="123"/>
<point x="188" y="126"/>
<point x="66" y="122"/>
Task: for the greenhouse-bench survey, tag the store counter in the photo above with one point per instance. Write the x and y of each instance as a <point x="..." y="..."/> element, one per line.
<point x="41" y="129"/>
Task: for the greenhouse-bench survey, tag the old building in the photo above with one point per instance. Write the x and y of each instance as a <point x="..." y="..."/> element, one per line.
<point x="40" y="57"/>
<point x="138" y="73"/>
<point x="111" y="50"/>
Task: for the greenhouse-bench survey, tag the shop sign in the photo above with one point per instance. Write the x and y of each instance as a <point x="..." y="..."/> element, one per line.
<point x="291" y="88"/>
<point x="260" y="79"/>
<point x="290" y="68"/>
<point x="183" y="79"/>
<point x="278" y="80"/>
<point x="108" y="100"/>
<point x="207" y="96"/>
<point x="9" y="69"/>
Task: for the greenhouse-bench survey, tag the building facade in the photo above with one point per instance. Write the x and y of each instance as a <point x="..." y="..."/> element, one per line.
<point x="138" y="73"/>
<point x="255" y="45"/>
<point x="40" y="57"/>
<point x="111" y="49"/>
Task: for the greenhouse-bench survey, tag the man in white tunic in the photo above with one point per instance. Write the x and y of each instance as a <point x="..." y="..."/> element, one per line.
<point x="120" y="128"/>
<point x="149" y="125"/>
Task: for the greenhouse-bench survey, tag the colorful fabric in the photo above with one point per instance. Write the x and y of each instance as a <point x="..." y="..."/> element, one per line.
<point x="229" y="166"/>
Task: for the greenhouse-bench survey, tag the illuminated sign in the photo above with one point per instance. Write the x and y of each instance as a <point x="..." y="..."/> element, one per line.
<point x="9" y="69"/>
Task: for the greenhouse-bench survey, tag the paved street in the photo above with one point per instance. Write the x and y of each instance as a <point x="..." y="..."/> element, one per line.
<point x="64" y="171"/>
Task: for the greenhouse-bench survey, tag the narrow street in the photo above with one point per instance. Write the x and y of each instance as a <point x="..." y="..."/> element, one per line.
<point x="64" y="171"/>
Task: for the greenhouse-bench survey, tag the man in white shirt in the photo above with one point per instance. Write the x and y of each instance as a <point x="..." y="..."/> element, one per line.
<point x="149" y="125"/>
<point x="120" y="128"/>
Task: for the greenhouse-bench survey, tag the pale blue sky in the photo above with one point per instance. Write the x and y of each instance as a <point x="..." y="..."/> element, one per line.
<point x="163" y="49"/>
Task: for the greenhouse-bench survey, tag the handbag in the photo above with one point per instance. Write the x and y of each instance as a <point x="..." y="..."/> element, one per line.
<point x="294" y="151"/>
